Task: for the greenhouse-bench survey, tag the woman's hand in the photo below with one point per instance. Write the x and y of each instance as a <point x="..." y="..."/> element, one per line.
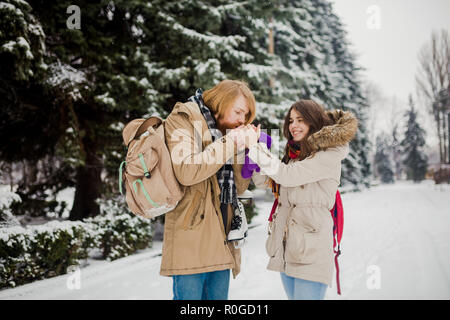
<point x="257" y="129"/>
<point x="247" y="135"/>
<point x="253" y="134"/>
<point x="238" y="137"/>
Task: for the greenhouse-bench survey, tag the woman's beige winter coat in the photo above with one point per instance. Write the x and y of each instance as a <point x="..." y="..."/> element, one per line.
<point x="300" y="241"/>
<point x="194" y="234"/>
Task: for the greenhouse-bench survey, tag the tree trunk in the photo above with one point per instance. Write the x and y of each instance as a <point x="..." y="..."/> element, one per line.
<point x="32" y="171"/>
<point x="88" y="185"/>
<point x="271" y="50"/>
<point x="444" y="138"/>
<point x="11" y="176"/>
<point x="441" y="152"/>
<point x="448" y="136"/>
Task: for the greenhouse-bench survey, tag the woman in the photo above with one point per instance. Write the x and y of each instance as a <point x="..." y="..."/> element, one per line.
<point x="300" y="243"/>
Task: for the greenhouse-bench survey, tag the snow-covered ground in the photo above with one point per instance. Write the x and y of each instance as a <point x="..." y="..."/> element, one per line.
<point x="396" y="245"/>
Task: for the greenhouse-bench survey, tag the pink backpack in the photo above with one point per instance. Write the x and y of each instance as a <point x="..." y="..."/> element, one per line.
<point x="338" y="218"/>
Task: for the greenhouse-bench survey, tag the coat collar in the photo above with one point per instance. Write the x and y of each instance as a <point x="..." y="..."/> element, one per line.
<point x="189" y="108"/>
<point x="341" y="132"/>
<point x="194" y="114"/>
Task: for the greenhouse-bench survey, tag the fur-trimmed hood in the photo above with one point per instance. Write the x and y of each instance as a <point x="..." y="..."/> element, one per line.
<point x="342" y="131"/>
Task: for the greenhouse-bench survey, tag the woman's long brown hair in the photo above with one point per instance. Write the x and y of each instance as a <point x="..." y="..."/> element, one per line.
<point x="315" y="117"/>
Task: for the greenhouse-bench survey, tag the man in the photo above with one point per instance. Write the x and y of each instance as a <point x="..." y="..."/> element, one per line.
<point x="196" y="252"/>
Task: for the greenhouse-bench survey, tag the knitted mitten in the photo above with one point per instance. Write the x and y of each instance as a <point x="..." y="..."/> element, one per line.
<point x="249" y="166"/>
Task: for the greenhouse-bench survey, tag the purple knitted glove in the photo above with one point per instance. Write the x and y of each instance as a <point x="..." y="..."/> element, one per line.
<point x="249" y="166"/>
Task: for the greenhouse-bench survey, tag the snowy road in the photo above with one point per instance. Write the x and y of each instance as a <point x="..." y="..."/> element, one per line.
<point x="396" y="245"/>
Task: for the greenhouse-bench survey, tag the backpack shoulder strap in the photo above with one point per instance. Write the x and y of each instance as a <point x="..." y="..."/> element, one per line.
<point x="152" y="122"/>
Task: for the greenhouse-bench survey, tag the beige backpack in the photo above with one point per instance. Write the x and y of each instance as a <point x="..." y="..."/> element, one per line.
<point x="151" y="186"/>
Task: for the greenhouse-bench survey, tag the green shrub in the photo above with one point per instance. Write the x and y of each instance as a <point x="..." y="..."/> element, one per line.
<point x="250" y="212"/>
<point x="38" y="252"/>
<point x="122" y="235"/>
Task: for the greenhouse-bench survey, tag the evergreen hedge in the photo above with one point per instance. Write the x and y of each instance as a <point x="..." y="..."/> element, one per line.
<point x="39" y="252"/>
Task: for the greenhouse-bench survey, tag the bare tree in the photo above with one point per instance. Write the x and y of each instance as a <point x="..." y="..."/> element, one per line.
<point x="432" y="79"/>
<point x="377" y="102"/>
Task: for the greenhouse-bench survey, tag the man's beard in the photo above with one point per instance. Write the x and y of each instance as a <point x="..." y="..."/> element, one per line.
<point x="223" y="125"/>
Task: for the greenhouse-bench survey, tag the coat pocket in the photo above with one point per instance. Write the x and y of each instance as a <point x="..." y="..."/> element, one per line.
<point x="271" y="243"/>
<point x="271" y="246"/>
<point x="301" y="244"/>
<point x="192" y="216"/>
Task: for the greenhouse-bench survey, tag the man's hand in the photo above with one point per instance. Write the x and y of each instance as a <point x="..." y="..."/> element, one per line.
<point x="245" y="136"/>
<point x="238" y="137"/>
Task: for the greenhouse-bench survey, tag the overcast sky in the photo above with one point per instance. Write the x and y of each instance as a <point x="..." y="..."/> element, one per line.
<point x="390" y="53"/>
<point x="387" y="36"/>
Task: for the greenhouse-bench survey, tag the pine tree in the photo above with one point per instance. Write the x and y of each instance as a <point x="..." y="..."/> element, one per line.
<point x="396" y="152"/>
<point x="415" y="158"/>
<point x="28" y="117"/>
<point x="89" y="81"/>
<point x="32" y="117"/>
<point x="199" y="43"/>
<point x="313" y="61"/>
<point x="68" y="93"/>
<point x="383" y="159"/>
<point x="130" y="59"/>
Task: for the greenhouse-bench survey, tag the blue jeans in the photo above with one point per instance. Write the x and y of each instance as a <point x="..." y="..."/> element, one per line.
<point x="300" y="289"/>
<point x="202" y="286"/>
